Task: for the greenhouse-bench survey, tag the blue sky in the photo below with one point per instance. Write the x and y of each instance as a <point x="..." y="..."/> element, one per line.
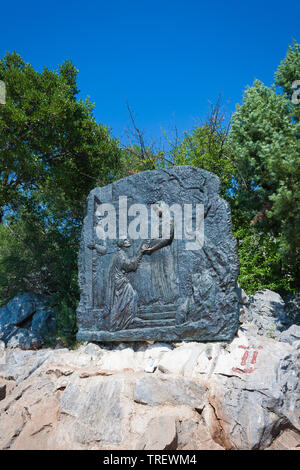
<point x="168" y="59"/>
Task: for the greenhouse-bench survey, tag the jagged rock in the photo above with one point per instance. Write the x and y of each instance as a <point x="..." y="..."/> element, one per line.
<point x="242" y="296"/>
<point x="2" y="390"/>
<point x="127" y="358"/>
<point x="160" y="434"/>
<point x="95" y="405"/>
<point x="29" y="414"/>
<point x="2" y="352"/>
<point x="251" y="403"/>
<point x="193" y="434"/>
<point x="21" y="364"/>
<point x="169" y="288"/>
<point x="91" y="349"/>
<point x="43" y="321"/>
<point x="292" y="307"/>
<point x="181" y="360"/>
<point x="26" y="321"/>
<point x="290" y="335"/>
<point x="288" y="440"/>
<point x="19" y="309"/>
<point x="151" y="367"/>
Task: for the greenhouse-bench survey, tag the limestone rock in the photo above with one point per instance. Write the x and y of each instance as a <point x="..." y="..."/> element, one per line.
<point x="2" y="353"/>
<point x="292" y="307"/>
<point x="193" y="434"/>
<point x="21" y="364"/>
<point x="25" y="339"/>
<point x="19" y="309"/>
<point x="182" y="359"/>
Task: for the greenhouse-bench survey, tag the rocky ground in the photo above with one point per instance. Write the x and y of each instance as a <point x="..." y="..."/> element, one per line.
<point x="239" y="395"/>
<point x="27" y="321"/>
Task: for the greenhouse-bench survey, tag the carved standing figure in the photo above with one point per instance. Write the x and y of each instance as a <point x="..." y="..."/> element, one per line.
<point x="122" y="298"/>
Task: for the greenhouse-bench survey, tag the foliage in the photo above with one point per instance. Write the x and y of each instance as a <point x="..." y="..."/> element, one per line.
<point x="52" y="153"/>
<point x="135" y="159"/>
<point x="206" y="146"/>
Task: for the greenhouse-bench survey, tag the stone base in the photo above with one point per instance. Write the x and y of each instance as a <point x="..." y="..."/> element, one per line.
<point x="186" y="332"/>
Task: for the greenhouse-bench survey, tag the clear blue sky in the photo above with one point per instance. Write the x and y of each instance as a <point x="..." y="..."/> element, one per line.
<point x="167" y="58"/>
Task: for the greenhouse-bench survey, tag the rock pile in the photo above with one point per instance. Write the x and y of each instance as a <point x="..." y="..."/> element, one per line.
<point x="243" y="395"/>
<point x="189" y="395"/>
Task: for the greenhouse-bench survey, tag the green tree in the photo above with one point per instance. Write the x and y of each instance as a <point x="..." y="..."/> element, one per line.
<point x="207" y="147"/>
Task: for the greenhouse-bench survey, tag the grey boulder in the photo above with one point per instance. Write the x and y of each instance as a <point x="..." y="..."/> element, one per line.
<point x="151" y="390"/>
<point x="26" y="321"/>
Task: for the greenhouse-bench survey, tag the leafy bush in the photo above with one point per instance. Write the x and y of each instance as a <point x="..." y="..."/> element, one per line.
<point x="260" y="262"/>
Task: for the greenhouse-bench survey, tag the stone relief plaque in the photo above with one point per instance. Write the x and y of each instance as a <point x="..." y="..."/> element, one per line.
<point x="158" y="260"/>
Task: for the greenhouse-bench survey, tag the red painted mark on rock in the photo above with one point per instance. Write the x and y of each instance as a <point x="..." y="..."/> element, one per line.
<point x="245" y="359"/>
